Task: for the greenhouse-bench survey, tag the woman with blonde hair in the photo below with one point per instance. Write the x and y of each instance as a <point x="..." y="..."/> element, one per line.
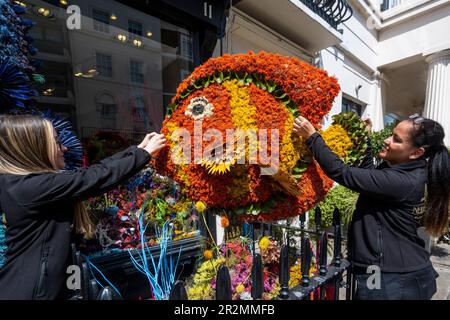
<point x="41" y="203"/>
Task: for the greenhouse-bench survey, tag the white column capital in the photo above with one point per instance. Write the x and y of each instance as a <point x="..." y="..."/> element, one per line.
<point x="379" y="76"/>
<point x="441" y="55"/>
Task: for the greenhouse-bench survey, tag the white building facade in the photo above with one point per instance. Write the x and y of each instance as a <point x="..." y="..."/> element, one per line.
<point x="391" y="58"/>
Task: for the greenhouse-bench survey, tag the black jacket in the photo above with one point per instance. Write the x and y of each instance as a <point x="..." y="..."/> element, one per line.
<point x="388" y="212"/>
<point x="39" y="213"/>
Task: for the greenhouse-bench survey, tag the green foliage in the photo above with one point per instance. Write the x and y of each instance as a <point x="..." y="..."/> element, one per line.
<point x="377" y="140"/>
<point x="244" y="79"/>
<point x="356" y="129"/>
<point x="339" y="197"/>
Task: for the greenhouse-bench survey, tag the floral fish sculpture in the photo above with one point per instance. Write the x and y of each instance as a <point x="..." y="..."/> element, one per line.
<point x="230" y="142"/>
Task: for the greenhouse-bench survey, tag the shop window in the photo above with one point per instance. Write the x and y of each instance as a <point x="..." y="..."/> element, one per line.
<point x="57" y="83"/>
<point x="48" y="39"/>
<point x="92" y="74"/>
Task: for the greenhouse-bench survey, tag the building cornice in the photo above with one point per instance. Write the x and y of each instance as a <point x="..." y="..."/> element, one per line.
<point x="404" y="12"/>
<point x="409" y="11"/>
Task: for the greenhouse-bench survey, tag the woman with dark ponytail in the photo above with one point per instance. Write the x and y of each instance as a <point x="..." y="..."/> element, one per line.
<point x="409" y="191"/>
<point x="429" y="135"/>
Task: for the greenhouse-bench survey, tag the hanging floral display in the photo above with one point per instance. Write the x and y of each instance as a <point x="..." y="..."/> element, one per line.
<point x="230" y="142"/>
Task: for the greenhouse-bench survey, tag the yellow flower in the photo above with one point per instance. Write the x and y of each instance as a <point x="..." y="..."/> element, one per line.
<point x="201" y="288"/>
<point x="240" y="288"/>
<point x="200" y="206"/>
<point x="243" y="115"/>
<point x="264" y="243"/>
<point x="208" y="254"/>
<point x="290" y="150"/>
<point x="338" y="140"/>
<point x="217" y="168"/>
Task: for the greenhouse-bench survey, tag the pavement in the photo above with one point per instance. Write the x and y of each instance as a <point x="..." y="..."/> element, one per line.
<point x="440" y="257"/>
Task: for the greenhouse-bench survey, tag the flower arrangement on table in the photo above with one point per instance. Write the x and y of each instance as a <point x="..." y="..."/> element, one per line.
<point x="247" y="93"/>
<point x="116" y="213"/>
<point x="236" y="254"/>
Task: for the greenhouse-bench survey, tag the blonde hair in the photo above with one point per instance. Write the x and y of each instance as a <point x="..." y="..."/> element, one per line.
<point x="28" y="145"/>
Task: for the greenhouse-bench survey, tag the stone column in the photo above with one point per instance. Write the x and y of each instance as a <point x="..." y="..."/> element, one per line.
<point x="378" y="107"/>
<point x="437" y="101"/>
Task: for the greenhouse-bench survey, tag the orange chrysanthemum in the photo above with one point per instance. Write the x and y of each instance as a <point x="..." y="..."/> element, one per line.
<point x="224" y="222"/>
<point x="207" y="254"/>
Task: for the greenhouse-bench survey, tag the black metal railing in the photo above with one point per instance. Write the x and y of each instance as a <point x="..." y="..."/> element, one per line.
<point x="332" y="11"/>
<point x="325" y="285"/>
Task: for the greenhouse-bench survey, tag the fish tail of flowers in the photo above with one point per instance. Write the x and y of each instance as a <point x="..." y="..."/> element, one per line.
<point x="338" y="140"/>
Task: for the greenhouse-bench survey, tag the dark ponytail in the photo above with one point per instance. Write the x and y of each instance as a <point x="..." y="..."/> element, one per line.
<point x="430" y="136"/>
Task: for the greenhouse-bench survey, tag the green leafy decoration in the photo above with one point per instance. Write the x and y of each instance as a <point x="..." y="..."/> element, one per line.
<point x="244" y="79"/>
<point x="358" y="134"/>
<point x="339" y="197"/>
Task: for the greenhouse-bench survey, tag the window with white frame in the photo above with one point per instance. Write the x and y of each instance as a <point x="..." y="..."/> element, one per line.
<point x="136" y="72"/>
<point x="101" y="20"/>
<point x="104" y="65"/>
<point x="351" y="106"/>
<point x="135" y="28"/>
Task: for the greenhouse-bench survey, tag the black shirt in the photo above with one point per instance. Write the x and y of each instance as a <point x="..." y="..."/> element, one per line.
<point x="39" y="213"/>
<point x="388" y="212"/>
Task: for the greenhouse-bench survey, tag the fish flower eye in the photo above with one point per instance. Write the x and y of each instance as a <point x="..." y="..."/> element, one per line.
<point x="199" y="108"/>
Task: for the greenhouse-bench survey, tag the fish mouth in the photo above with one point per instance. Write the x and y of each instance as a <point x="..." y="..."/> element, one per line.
<point x="218" y="166"/>
<point x="222" y="163"/>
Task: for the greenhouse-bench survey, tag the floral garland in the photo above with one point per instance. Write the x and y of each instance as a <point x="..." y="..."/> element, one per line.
<point x="250" y="93"/>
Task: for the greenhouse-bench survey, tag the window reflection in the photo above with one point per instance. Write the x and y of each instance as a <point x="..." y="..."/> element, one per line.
<point x="113" y="77"/>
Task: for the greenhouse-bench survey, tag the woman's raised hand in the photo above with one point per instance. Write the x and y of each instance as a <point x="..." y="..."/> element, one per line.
<point x="303" y="127"/>
<point x="368" y="122"/>
<point x="153" y="142"/>
<point x="146" y="140"/>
